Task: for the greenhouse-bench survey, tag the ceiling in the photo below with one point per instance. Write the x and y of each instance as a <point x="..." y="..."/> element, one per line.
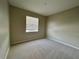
<point x="45" y="7"/>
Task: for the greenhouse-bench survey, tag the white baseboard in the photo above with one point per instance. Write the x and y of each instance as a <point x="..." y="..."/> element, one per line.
<point x="6" y="53"/>
<point x="67" y="44"/>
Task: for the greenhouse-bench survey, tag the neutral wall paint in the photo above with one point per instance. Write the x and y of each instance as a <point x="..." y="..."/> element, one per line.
<point x="4" y="28"/>
<point x="64" y="27"/>
<point x="18" y="25"/>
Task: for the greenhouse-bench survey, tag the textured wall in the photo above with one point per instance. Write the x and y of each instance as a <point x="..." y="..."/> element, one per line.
<point x="4" y="28"/>
<point x="64" y="27"/>
<point x="18" y="25"/>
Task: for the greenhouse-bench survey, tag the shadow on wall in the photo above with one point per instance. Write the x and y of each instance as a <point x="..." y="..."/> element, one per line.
<point x="18" y="26"/>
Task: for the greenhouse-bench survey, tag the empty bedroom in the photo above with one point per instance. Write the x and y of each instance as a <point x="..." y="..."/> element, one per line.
<point x="39" y="29"/>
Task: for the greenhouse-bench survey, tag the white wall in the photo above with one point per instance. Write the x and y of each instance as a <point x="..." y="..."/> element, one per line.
<point x="64" y="27"/>
<point x="4" y="28"/>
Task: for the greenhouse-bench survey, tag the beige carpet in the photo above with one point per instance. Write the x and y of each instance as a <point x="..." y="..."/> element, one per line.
<point x="42" y="49"/>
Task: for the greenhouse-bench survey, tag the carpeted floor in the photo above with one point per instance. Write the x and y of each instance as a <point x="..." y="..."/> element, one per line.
<point x="42" y="49"/>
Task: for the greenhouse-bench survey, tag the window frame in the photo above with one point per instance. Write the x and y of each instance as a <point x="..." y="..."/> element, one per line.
<point x="37" y="30"/>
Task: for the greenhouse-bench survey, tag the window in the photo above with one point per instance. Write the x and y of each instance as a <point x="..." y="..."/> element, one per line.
<point x="32" y="24"/>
